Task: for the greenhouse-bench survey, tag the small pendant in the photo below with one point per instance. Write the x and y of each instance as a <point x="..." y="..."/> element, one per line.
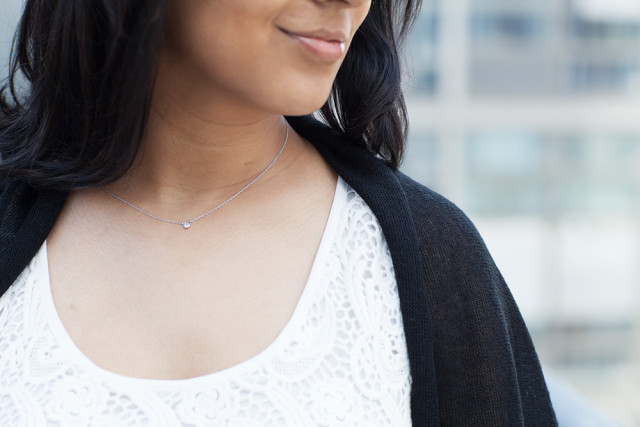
<point x="186" y="224"/>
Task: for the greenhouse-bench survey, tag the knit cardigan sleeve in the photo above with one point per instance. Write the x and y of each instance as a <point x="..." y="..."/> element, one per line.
<point x="487" y="370"/>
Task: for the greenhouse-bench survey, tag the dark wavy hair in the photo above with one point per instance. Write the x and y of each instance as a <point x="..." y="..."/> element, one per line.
<point x="75" y="107"/>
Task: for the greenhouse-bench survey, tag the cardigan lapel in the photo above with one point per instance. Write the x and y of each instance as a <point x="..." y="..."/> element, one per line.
<point x="379" y="187"/>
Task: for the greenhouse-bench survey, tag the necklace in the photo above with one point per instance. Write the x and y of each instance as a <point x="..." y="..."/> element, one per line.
<point x="189" y="223"/>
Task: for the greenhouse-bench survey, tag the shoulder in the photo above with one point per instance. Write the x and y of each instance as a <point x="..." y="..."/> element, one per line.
<point x="480" y="338"/>
<point x="16" y="200"/>
<point x="461" y="278"/>
<point x="434" y="215"/>
<point x="449" y="242"/>
<point x="27" y="215"/>
<point x="457" y="264"/>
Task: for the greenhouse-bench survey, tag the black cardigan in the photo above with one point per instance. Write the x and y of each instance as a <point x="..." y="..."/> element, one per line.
<point x="471" y="357"/>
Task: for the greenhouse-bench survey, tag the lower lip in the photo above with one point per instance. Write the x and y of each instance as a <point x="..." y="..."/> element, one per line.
<point x="323" y="49"/>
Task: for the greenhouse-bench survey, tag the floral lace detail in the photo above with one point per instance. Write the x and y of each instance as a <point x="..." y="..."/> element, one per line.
<point x="341" y="360"/>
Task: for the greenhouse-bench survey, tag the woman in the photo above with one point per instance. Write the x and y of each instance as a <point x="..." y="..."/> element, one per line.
<point x="173" y="251"/>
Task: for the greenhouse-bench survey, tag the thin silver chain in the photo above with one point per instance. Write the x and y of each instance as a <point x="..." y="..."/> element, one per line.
<point x="187" y="224"/>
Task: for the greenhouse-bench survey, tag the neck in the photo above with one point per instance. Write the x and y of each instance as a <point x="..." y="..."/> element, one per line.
<point x="201" y="144"/>
<point x="186" y="157"/>
<point x="192" y="156"/>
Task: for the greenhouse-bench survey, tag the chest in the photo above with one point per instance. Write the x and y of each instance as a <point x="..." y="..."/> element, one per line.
<point x="340" y="357"/>
<point x="142" y="307"/>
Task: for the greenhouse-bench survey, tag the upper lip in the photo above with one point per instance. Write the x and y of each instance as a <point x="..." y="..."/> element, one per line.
<point x="322" y="34"/>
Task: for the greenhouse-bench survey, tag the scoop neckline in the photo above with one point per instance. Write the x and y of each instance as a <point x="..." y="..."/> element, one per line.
<point x="285" y="335"/>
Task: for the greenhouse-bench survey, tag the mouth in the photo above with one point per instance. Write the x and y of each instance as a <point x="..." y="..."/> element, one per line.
<point x="325" y="45"/>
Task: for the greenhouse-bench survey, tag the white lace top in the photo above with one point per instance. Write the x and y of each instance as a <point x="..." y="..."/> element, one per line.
<point x="341" y="359"/>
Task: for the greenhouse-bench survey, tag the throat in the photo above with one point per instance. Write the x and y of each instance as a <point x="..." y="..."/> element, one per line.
<point x="187" y="224"/>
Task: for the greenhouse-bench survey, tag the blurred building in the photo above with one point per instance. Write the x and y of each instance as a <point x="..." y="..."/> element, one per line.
<point x="527" y="115"/>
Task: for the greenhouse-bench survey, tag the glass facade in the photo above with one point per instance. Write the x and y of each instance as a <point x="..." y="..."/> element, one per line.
<point x="524" y="47"/>
<point x="527" y="115"/>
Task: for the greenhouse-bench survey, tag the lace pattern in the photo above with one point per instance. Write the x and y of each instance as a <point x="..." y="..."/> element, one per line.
<point x="341" y="360"/>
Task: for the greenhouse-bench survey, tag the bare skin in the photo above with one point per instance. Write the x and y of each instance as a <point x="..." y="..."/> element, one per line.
<point x="147" y="299"/>
<point x="152" y="300"/>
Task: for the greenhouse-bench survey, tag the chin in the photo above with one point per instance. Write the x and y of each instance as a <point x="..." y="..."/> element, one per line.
<point x="303" y="110"/>
<point x="306" y="104"/>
